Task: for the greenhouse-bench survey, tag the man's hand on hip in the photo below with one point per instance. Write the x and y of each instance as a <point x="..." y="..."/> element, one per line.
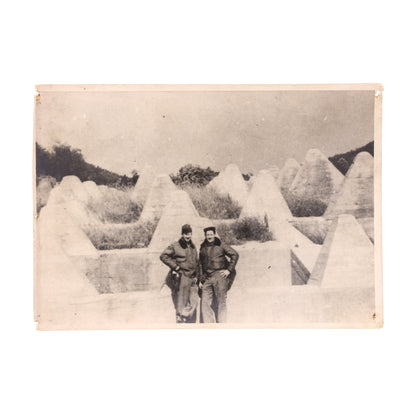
<point x="224" y="273"/>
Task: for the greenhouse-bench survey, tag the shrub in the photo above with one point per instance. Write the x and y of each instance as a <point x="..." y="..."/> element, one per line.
<point x="194" y="175"/>
<point x="246" y="229"/>
<point x="251" y="229"/>
<point x="209" y="203"/>
<point x="118" y="236"/>
<point x="115" y="206"/>
<point x="247" y="176"/>
<point x="226" y="233"/>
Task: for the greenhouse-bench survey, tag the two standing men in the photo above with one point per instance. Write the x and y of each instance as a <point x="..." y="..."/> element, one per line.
<point x="213" y="272"/>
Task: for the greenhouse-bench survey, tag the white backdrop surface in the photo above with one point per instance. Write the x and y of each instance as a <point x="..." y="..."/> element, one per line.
<point x="287" y="372"/>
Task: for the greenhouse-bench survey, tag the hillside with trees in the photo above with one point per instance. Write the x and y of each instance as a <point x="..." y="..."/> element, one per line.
<point x="63" y="161"/>
<point x="343" y="161"/>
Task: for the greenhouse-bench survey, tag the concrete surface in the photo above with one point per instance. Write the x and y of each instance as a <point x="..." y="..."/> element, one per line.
<point x="317" y="178"/>
<point x="231" y="182"/>
<point x="356" y="195"/>
<point x="265" y="200"/>
<point x="158" y="198"/>
<point x="346" y="258"/>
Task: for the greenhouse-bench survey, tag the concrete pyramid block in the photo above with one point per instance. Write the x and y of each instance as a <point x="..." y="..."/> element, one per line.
<point x="274" y="171"/>
<point x="317" y="179"/>
<point x="43" y="189"/>
<point x="180" y="210"/>
<point x="94" y="193"/>
<point x="231" y="182"/>
<point x="58" y="281"/>
<point x="61" y="222"/>
<point x="70" y="188"/>
<point x="159" y="196"/>
<point x="346" y="258"/>
<point x="356" y="196"/>
<point x="102" y="188"/>
<point x="368" y="226"/>
<point x="300" y="273"/>
<point x="287" y="175"/>
<point x="304" y="248"/>
<point x="265" y="200"/>
<point x="315" y="228"/>
<point x="57" y="272"/>
<point x="144" y="184"/>
<point x="79" y="214"/>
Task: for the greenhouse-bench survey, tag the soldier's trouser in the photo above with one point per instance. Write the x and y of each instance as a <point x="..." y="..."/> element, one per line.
<point x="214" y="286"/>
<point x="182" y="298"/>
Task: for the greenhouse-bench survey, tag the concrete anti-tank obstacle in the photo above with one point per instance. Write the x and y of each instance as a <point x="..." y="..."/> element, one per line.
<point x="305" y="250"/>
<point x="287" y="175"/>
<point x="266" y="203"/>
<point x="231" y="182"/>
<point x="60" y="267"/>
<point x="144" y="184"/>
<point x="62" y="222"/>
<point x="58" y="283"/>
<point x="43" y="190"/>
<point x="274" y="171"/>
<point x="315" y="228"/>
<point x="265" y="200"/>
<point x="70" y="188"/>
<point x="102" y="188"/>
<point x="356" y="195"/>
<point x="159" y="196"/>
<point x="63" y="218"/>
<point x="300" y="273"/>
<point x="94" y="193"/>
<point x="317" y="179"/>
<point x="179" y="211"/>
<point x="80" y="214"/>
<point x="70" y="197"/>
<point x="346" y="258"/>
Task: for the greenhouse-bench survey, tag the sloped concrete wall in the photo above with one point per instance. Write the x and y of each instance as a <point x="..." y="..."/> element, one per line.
<point x="346" y="258"/>
<point x="231" y="182"/>
<point x="116" y="271"/>
<point x="287" y="175"/>
<point x="317" y="179"/>
<point x="356" y="195"/>
<point x="263" y="265"/>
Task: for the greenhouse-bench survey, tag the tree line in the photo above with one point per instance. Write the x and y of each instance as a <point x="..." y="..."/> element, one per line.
<point x="63" y="160"/>
<point x="343" y="161"/>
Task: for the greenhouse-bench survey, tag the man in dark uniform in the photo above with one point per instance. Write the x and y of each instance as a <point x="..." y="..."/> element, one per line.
<point x="182" y="258"/>
<point x="218" y="261"/>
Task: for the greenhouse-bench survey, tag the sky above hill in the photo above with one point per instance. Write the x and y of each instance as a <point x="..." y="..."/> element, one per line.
<point x="122" y="131"/>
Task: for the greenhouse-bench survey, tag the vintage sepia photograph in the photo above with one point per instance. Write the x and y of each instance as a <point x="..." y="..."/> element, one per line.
<point x="207" y="206"/>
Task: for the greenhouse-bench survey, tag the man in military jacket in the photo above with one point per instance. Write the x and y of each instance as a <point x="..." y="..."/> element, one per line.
<point x="182" y="258"/>
<point x="218" y="261"/>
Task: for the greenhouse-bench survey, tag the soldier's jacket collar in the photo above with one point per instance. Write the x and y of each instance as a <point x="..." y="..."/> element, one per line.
<point x="184" y="245"/>
<point x="217" y="242"/>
